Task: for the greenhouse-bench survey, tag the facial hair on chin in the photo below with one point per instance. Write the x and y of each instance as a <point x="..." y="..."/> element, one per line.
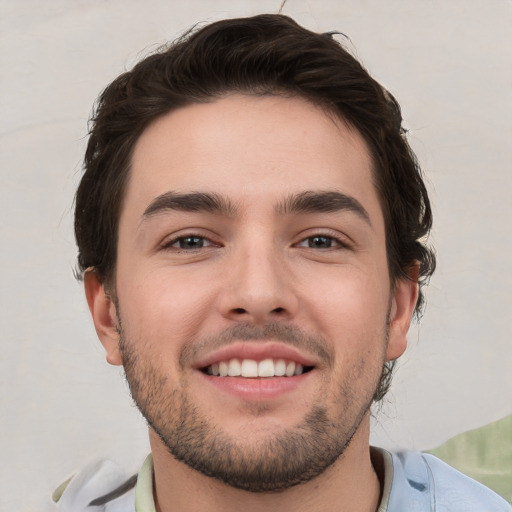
<point x="288" y="458"/>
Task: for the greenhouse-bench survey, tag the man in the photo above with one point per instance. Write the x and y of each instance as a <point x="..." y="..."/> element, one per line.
<point x="249" y="229"/>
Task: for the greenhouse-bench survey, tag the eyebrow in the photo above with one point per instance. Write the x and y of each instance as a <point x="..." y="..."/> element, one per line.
<point x="303" y="202"/>
<point x="190" y="202"/>
<point x="322" y="202"/>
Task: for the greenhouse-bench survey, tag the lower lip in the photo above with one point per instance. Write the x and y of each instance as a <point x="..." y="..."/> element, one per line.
<point x="257" y="389"/>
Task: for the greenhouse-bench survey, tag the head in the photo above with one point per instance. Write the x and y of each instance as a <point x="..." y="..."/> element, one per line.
<point x="266" y="58"/>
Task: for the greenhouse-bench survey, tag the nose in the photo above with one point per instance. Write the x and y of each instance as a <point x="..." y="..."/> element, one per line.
<point x="258" y="287"/>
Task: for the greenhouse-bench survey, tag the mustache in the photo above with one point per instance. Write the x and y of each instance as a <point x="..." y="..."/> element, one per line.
<point x="289" y="334"/>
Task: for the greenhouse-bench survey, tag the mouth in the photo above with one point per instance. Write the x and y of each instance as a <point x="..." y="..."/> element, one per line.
<point x="257" y="371"/>
<point x="254" y="369"/>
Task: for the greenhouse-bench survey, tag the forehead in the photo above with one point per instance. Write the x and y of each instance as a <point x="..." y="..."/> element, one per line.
<point x="251" y="149"/>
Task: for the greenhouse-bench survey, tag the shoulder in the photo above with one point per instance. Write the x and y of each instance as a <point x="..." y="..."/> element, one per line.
<point x="423" y="482"/>
<point x="102" y="486"/>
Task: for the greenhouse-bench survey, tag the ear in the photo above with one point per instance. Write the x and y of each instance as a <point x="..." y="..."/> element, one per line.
<point x="405" y="296"/>
<point x="104" y="316"/>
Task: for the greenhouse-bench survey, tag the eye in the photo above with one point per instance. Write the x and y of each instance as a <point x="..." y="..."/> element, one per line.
<point x="188" y="243"/>
<point x="321" y="242"/>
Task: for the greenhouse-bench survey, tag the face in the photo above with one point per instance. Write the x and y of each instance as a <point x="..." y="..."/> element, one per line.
<point x="254" y="306"/>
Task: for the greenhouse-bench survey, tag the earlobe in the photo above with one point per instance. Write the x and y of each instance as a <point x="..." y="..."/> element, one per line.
<point x="104" y="315"/>
<point x="403" y="303"/>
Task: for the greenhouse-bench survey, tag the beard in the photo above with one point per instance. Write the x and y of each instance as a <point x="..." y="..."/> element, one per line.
<point x="275" y="463"/>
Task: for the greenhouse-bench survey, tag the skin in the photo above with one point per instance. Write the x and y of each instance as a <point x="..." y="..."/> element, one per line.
<point x="258" y="266"/>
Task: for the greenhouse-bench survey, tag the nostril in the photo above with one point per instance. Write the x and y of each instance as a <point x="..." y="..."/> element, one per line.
<point x="240" y="311"/>
<point x="278" y="310"/>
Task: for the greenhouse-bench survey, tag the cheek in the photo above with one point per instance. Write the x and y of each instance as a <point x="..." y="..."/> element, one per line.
<point x="163" y="309"/>
<point x="350" y="308"/>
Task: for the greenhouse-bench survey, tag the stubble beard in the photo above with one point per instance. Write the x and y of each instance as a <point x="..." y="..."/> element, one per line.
<point x="278" y="462"/>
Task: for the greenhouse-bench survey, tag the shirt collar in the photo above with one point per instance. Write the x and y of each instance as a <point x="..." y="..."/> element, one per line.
<point x="144" y="501"/>
<point x="381" y="460"/>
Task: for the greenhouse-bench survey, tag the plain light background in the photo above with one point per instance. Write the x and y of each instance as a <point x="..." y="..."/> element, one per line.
<point x="449" y="65"/>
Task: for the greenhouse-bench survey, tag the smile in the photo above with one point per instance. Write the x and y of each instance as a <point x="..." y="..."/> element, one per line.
<point x="257" y="371"/>
<point x="251" y="368"/>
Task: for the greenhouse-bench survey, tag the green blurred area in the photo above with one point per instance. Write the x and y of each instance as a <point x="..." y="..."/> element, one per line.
<point x="484" y="454"/>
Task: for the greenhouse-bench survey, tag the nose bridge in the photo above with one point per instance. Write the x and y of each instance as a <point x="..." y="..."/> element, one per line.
<point x="258" y="286"/>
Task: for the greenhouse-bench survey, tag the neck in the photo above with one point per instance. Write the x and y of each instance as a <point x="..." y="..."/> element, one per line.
<point x="350" y="484"/>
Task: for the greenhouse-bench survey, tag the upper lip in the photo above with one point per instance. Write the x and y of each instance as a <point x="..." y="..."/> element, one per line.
<point x="257" y="350"/>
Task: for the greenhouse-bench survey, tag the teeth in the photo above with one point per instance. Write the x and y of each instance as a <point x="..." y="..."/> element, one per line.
<point x="280" y="368"/>
<point x="234" y="368"/>
<point x="223" y="369"/>
<point x="266" y="368"/>
<point x="290" y="369"/>
<point x="251" y="369"/>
